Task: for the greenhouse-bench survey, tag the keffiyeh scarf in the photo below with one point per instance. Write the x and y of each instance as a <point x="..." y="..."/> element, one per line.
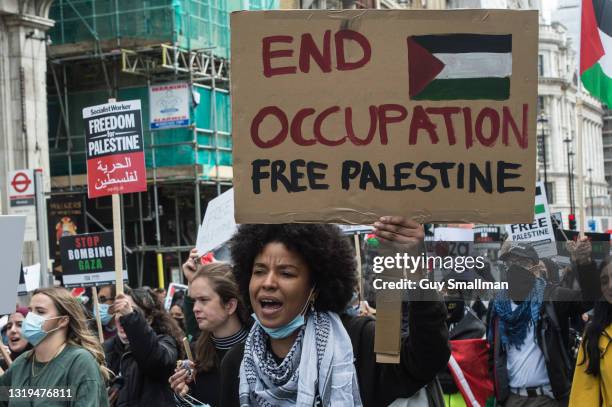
<point x="319" y="366"/>
<point x="513" y="325"/>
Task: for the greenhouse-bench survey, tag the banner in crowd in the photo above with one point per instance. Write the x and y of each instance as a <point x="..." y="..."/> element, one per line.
<point x="600" y="243"/>
<point x="540" y="232"/>
<point x="169" y="105"/>
<point x="218" y="225"/>
<point x="174" y="289"/>
<point x="348" y="116"/>
<point x="29" y="279"/>
<point x="11" y="245"/>
<point x="22" y="200"/>
<point x="114" y="149"/>
<point x="88" y="260"/>
<point x="65" y="217"/>
<point x="21" y="287"/>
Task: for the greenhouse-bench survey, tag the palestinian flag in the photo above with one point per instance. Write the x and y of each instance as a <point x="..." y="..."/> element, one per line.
<point x="469" y="366"/>
<point x="596" y="49"/>
<point x="459" y="67"/>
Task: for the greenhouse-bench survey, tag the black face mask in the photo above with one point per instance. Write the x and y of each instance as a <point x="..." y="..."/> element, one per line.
<point x="455" y="308"/>
<point x="520" y="282"/>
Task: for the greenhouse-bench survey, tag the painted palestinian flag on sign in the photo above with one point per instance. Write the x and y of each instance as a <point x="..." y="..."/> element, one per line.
<point x="459" y="67"/>
<point x="596" y="49"/>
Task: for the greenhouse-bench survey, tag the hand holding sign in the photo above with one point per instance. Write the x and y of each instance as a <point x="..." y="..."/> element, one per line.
<point x="122" y="305"/>
<point x="189" y="267"/>
<point x="401" y="232"/>
<point x="580" y="251"/>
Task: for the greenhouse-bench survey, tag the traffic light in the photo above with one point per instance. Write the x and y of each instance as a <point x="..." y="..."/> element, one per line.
<point x="572" y="221"/>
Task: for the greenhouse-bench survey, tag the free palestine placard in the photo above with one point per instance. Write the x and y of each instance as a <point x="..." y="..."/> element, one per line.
<point x="347" y="116"/>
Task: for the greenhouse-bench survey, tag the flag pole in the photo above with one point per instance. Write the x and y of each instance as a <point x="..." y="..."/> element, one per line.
<point x="580" y="187"/>
<point x="580" y="168"/>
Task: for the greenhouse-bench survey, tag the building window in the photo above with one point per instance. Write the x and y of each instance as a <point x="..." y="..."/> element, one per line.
<point x="541" y="64"/>
<point x="550" y="192"/>
<point x="540" y="104"/>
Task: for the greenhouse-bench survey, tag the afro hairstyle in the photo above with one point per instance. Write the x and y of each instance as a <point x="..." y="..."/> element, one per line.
<point x="328" y="254"/>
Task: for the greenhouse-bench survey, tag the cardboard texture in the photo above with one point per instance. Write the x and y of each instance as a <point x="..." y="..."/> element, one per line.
<point x="364" y="113"/>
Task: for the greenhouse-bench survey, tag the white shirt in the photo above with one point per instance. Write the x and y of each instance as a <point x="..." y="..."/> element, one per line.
<point x="526" y="367"/>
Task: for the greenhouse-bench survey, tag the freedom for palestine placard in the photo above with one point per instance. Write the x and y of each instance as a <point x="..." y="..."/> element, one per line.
<point x="114" y="149"/>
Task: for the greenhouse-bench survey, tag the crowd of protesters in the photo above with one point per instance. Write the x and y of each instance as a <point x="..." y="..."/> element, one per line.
<point x="283" y="325"/>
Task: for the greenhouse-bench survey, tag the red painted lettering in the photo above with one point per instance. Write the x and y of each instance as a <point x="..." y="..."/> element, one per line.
<point x="319" y="122"/>
<point x="447" y="113"/>
<point x="493" y="116"/>
<point x="420" y="121"/>
<point x="267" y="54"/>
<point x="467" y="123"/>
<point x="384" y="118"/>
<point x="259" y="118"/>
<point x="308" y="50"/>
<point x="342" y="63"/>
<point x="296" y="127"/>
<point x="348" y="122"/>
<point x="508" y="120"/>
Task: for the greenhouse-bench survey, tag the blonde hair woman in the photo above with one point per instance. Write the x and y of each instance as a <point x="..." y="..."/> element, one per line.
<point x="66" y="357"/>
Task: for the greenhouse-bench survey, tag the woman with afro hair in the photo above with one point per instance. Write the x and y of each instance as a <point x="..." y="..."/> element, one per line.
<point x="302" y="349"/>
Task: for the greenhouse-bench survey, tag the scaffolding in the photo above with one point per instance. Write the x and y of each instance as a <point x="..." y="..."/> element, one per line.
<point x="117" y="49"/>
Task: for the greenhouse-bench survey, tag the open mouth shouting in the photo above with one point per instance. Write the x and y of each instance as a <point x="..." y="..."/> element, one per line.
<point x="270" y="306"/>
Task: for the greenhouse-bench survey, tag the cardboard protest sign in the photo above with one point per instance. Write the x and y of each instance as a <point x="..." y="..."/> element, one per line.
<point x="29" y="279"/>
<point x="540" y="231"/>
<point x="11" y="245"/>
<point x="88" y="260"/>
<point x="347" y="116"/>
<point x="218" y="225"/>
<point x="114" y="149"/>
<point x="32" y="277"/>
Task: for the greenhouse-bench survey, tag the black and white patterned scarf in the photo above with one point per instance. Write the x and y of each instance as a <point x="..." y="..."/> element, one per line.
<point x="319" y="365"/>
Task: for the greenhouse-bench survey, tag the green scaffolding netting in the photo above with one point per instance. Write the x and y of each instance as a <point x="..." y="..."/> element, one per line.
<point x="169" y="156"/>
<point x="189" y="23"/>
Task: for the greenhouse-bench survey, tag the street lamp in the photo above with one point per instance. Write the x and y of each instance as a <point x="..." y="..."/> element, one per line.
<point x="567" y="141"/>
<point x="542" y="121"/>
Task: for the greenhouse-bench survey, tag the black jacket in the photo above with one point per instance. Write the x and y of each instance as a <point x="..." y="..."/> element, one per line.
<point x="552" y="334"/>
<point x="144" y="366"/>
<point x="423" y="353"/>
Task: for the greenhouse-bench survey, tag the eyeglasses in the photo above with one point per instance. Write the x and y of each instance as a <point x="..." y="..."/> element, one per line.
<point x="102" y="299"/>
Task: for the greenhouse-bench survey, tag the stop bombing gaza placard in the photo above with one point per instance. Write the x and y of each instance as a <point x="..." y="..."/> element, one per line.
<point x="88" y="260"/>
<point x="364" y="113"/>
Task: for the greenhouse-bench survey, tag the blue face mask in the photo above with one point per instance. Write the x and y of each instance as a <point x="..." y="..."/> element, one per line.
<point x="105" y="317"/>
<point x="32" y="328"/>
<point x="284" y="331"/>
